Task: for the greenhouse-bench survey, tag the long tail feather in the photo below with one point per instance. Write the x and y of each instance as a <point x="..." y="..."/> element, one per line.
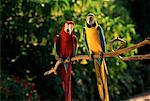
<point x="100" y="71"/>
<point x="66" y="82"/>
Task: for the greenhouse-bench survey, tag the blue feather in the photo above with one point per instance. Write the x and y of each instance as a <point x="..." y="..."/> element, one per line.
<point x="102" y="38"/>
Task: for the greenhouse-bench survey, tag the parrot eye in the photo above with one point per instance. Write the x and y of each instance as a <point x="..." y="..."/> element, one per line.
<point x="67" y="30"/>
<point x="91" y="18"/>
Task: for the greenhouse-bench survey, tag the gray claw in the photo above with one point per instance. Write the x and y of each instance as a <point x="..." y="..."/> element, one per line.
<point x="69" y="59"/>
<point x="61" y="60"/>
<point x="100" y="54"/>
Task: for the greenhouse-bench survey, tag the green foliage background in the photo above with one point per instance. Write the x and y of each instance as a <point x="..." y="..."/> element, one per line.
<point x="28" y="28"/>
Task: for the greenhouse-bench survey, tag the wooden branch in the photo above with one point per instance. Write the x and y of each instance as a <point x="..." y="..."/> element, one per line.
<point x="105" y="55"/>
<point x="137" y="57"/>
<point x="125" y="50"/>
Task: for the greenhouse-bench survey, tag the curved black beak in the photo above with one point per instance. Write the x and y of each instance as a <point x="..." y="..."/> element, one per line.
<point x="90" y="21"/>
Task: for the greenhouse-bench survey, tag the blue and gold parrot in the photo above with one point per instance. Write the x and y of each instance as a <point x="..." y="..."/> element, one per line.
<point x="95" y="43"/>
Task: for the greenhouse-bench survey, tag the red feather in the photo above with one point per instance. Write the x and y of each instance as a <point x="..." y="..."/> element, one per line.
<point x="65" y="46"/>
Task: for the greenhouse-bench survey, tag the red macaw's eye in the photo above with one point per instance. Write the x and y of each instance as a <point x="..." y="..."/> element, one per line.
<point x="67" y="30"/>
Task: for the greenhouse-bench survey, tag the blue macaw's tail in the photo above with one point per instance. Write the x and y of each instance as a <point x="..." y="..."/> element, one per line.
<point x="100" y="70"/>
<point x="66" y="80"/>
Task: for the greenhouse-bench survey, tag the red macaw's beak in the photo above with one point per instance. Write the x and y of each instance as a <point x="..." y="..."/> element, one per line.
<point x="70" y="27"/>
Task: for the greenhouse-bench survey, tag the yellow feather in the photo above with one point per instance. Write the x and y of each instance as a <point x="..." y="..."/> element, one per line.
<point x="93" y="40"/>
<point x="102" y="80"/>
<point x="94" y="45"/>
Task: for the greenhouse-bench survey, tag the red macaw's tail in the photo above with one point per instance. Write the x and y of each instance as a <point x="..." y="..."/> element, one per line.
<point x="101" y="70"/>
<point x="66" y="80"/>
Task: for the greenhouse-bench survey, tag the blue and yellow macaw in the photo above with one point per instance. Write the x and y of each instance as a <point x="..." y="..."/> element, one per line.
<point x="95" y="42"/>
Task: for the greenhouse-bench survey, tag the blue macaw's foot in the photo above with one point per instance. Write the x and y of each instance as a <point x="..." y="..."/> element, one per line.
<point x="92" y="56"/>
<point x="99" y="60"/>
<point x="100" y="55"/>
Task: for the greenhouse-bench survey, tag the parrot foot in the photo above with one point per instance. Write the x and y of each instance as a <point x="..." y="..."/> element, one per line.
<point x="69" y="59"/>
<point x="61" y="60"/>
<point x="100" y="55"/>
<point x="92" y="56"/>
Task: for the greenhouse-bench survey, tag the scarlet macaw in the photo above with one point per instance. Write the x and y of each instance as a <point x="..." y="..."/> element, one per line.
<point x="66" y="46"/>
<point x="95" y="42"/>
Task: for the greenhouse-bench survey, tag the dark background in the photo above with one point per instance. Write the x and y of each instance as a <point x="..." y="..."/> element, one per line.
<point x="27" y="31"/>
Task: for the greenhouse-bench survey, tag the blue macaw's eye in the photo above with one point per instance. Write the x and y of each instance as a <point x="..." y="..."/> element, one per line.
<point x="91" y="18"/>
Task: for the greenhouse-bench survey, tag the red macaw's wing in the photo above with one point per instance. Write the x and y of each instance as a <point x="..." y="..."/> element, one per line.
<point x="56" y="43"/>
<point x="75" y="45"/>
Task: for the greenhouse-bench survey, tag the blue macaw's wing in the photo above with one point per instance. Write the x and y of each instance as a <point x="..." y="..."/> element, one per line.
<point x="85" y="41"/>
<point x="102" y="38"/>
<point x="56" y="44"/>
<point x="75" y="45"/>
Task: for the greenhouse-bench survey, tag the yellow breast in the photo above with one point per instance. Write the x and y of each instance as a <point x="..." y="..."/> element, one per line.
<point x="93" y="40"/>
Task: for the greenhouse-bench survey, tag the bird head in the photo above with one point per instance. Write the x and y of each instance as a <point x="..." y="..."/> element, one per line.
<point x="90" y="20"/>
<point x="68" y="27"/>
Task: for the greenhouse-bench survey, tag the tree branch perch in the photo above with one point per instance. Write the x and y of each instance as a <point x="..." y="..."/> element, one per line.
<point x="106" y="55"/>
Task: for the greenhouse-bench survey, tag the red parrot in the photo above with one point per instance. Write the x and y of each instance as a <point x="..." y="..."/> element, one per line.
<point x="66" y="47"/>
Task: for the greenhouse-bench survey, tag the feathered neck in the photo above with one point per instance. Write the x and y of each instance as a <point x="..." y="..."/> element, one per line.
<point x="65" y="35"/>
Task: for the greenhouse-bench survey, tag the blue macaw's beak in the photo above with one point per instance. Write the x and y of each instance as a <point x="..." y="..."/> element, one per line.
<point x="90" y="21"/>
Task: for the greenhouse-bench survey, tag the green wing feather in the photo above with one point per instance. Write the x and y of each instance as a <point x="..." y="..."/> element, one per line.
<point x="75" y="45"/>
<point x="103" y="43"/>
<point x="85" y="41"/>
<point x="102" y="38"/>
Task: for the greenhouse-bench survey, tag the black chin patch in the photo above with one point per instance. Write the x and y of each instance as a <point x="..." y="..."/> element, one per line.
<point x="89" y="26"/>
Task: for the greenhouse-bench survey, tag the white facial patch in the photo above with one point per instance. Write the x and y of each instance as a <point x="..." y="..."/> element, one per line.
<point x="87" y="20"/>
<point x="66" y="27"/>
<point x="70" y="29"/>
